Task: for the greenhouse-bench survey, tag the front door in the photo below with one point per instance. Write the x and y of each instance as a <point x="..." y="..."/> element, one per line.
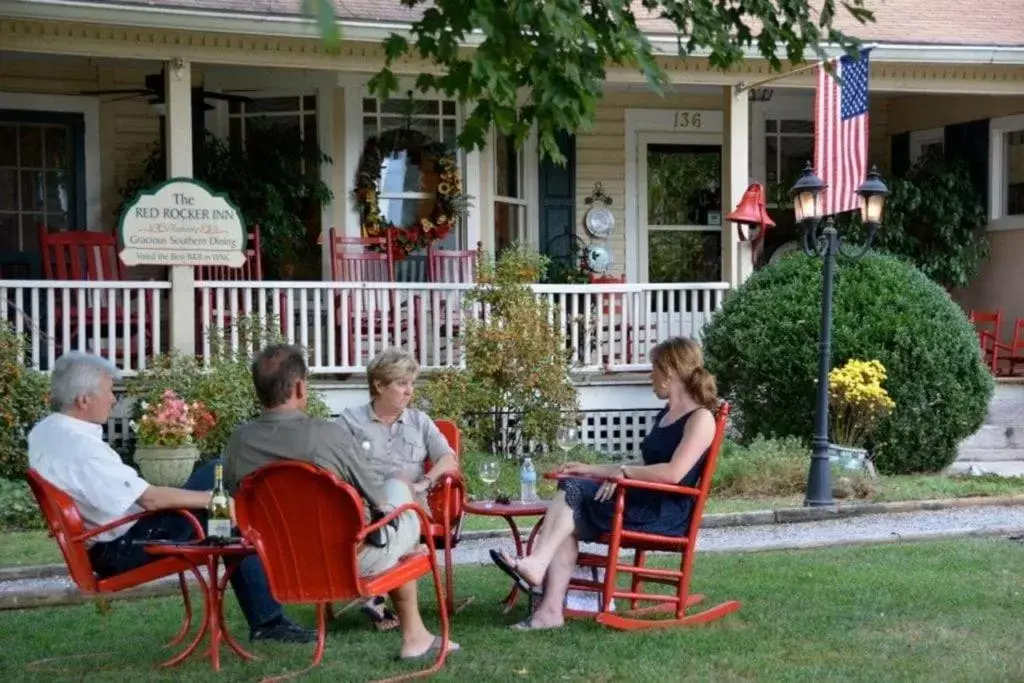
<point x="680" y="209"/>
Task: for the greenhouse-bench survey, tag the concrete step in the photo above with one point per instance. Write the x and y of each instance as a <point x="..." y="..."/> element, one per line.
<point x="996" y="436"/>
<point x="990" y="455"/>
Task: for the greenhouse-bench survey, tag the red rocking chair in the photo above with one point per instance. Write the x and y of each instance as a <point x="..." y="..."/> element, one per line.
<point x="317" y="562"/>
<point x="66" y="526"/>
<point x="675" y="603"/>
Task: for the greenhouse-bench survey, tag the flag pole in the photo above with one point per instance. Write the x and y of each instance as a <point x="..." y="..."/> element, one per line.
<point x="800" y="69"/>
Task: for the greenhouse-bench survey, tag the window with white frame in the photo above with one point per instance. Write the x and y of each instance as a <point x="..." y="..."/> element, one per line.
<point x="295" y="114"/>
<point x="788" y="146"/>
<point x="1007" y="172"/>
<point x="510" y="203"/>
<point x="407" y="189"/>
<point x="926" y="142"/>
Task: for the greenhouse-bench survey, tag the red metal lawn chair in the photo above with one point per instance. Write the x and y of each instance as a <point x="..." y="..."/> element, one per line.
<point x="66" y="526"/>
<point x="307" y="526"/>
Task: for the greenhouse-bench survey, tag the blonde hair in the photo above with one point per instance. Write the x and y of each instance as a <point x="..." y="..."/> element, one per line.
<point x="390" y="366"/>
<point x="684" y="358"/>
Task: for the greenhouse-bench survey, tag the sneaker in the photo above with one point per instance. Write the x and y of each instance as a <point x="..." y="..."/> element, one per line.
<point x="284" y="631"/>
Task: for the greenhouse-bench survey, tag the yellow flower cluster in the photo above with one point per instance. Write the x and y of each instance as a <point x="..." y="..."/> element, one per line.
<point x="449" y="185"/>
<point x="857" y="400"/>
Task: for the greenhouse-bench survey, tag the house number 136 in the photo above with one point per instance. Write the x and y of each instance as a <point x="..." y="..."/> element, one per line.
<point x="686" y="119"/>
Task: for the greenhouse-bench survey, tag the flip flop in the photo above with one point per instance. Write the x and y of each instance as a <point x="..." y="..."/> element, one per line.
<point x="504" y="566"/>
<point x="382" y="617"/>
<point x="430" y="651"/>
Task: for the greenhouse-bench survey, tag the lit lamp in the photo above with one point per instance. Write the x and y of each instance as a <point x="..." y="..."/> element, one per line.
<point x="820" y="239"/>
<point x="751" y="216"/>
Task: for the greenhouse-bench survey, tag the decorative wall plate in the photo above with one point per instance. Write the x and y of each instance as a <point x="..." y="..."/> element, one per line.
<point x="600" y="259"/>
<point x="599" y="221"/>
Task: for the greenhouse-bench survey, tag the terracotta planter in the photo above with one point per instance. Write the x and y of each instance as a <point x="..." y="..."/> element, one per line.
<point x="163" y="466"/>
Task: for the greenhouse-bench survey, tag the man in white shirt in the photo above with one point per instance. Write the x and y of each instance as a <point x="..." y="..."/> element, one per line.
<point x="67" y="449"/>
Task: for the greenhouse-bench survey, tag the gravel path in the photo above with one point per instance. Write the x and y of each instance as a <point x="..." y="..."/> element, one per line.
<point x="838" y="531"/>
<point x="866" y="529"/>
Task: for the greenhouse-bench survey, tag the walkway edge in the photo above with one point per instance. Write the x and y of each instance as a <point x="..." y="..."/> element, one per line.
<point x="716" y="521"/>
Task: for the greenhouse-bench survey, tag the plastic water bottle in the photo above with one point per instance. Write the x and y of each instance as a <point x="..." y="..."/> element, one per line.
<point x="527" y="481"/>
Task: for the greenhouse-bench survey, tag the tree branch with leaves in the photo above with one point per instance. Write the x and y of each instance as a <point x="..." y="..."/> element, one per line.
<point x="545" y="61"/>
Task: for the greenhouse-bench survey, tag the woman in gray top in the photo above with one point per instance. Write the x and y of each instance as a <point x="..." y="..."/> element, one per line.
<point x="398" y="441"/>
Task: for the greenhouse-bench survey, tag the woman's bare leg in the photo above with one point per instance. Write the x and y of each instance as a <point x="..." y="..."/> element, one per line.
<point x="559" y="526"/>
<point x="550" y="611"/>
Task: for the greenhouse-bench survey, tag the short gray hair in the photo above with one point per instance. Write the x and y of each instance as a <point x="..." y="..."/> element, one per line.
<point x="77" y="374"/>
<point x="389" y="366"/>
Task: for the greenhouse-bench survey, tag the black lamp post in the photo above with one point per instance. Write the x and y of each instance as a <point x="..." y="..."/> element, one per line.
<point x="822" y="239"/>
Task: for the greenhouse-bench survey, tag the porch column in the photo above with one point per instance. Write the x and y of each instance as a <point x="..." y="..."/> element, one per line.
<point x="325" y="137"/>
<point x="736" y="256"/>
<point x="178" y="122"/>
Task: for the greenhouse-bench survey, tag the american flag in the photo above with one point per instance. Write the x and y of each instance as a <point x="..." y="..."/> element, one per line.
<point x="841" y="132"/>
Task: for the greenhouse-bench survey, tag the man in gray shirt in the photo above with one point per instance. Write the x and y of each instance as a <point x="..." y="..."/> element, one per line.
<point x="285" y="432"/>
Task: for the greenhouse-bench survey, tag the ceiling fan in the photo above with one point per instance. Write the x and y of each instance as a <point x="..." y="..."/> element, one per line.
<point x="154" y="90"/>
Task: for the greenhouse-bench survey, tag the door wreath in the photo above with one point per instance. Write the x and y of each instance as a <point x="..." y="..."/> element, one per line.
<point x="449" y="201"/>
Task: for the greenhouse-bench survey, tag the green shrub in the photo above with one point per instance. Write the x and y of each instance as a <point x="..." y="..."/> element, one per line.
<point x="23" y="402"/>
<point x="764" y="467"/>
<point x="225" y="387"/>
<point x="762" y="347"/>
<point x="18" y="508"/>
<point x="516" y="362"/>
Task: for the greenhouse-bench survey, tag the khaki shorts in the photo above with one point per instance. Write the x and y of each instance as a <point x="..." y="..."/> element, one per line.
<point x="398" y="541"/>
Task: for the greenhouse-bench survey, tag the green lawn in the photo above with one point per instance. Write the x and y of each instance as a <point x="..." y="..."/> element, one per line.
<point x="917" y="612"/>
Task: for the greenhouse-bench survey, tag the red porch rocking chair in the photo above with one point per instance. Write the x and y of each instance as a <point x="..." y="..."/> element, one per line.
<point x="307" y="526"/>
<point x="679" y="600"/>
<point x="66" y="526"/>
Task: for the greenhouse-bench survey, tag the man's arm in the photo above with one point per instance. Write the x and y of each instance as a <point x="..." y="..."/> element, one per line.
<point x="166" y="498"/>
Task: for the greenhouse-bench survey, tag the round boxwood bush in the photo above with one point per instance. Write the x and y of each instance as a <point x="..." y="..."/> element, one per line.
<point x="762" y="347"/>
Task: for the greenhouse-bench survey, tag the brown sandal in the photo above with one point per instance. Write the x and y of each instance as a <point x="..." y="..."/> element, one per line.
<point x="380" y="614"/>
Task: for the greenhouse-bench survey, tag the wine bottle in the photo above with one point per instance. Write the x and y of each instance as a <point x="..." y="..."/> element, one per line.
<point x="218" y="520"/>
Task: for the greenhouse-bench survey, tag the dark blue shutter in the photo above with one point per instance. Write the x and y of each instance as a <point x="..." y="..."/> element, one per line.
<point x="969" y="141"/>
<point x="900" y="155"/>
<point x="558" y="200"/>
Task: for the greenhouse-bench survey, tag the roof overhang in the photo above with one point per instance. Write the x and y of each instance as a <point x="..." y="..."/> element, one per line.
<point x="277" y="25"/>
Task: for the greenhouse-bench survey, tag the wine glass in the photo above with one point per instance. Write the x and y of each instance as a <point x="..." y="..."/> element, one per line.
<point x="565" y="439"/>
<point x="489" y="470"/>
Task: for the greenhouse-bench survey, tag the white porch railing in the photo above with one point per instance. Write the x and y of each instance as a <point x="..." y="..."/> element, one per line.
<point x="122" y="321"/>
<point x="344" y="324"/>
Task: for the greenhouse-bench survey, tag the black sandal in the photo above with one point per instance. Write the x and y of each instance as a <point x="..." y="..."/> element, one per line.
<point x="504" y="566"/>
<point x="380" y="614"/>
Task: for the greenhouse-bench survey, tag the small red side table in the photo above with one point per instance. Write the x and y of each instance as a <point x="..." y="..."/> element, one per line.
<point x="508" y="512"/>
<point x="208" y="555"/>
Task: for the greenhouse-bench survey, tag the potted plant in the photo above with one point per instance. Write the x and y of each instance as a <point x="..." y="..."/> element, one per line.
<point x="857" y="403"/>
<point x="166" y="437"/>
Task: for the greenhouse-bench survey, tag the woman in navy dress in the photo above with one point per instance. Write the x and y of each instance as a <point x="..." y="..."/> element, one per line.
<point x="583" y="509"/>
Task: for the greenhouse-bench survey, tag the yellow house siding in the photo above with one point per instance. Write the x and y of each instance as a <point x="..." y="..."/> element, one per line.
<point x="601" y="157"/>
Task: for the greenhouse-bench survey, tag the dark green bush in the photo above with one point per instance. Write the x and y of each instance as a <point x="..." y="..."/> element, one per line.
<point x="763" y="348"/>
<point x="18" y="508"/>
<point x="23" y="402"/>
